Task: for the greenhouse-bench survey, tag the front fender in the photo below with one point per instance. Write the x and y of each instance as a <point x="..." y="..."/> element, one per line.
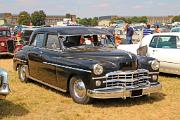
<point x="144" y="63"/>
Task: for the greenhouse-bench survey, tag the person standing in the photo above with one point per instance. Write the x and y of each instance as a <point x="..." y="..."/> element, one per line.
<point x="147" y="30"/>
<point x="129" y="33"/>
<point x="157" y="29"/>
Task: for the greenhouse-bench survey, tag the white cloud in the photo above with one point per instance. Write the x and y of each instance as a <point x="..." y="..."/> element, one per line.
<point x="138" y="7"/>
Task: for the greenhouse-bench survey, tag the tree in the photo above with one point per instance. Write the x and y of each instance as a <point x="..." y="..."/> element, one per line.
<point x="68" y="15"/>
<point x="38" y="18"/>
<point x="94" y="21"/>
<point x="176" y="19"/>
<point x="24" y="18"/>
<point x="88" y="21"/>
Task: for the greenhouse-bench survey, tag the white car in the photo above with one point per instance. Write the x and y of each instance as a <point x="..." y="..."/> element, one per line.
<point x="163" y="46"/>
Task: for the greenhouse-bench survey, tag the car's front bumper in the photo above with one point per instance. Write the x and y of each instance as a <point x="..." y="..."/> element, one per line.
<point x="4" y="86"/>
<point x="124" y="93"/>
<point x="6" y="53"/>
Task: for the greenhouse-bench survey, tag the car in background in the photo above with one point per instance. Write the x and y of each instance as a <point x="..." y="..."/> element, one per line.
<point x="85" y="62"/>
<point x="175" y="29"/>
<point x="165" y="47"/>
<point x="26" y="33"/>
<point x="4" y="86"/>
<point x="8" y="43"/>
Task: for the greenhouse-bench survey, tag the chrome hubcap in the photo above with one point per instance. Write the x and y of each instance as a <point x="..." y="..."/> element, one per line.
<point x="22" y="73"/>
<point x="79" y="89"/>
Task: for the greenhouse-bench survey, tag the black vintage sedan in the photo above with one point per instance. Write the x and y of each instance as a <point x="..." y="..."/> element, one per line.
<point x="85" y="62"/>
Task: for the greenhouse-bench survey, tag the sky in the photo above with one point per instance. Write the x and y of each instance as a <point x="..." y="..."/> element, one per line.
<point x="94" y="8"/>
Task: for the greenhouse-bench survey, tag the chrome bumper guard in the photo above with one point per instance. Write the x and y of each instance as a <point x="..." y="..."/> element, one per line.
<point x="124" y="93"/>
<point x="4" y="90"/>
<point x="4" y="86"/>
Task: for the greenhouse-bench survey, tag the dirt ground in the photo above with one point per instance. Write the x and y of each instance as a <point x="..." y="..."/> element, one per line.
<point x="33" y="101"/>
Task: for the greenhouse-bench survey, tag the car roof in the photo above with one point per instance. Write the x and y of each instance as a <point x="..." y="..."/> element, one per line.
<point x="29" y="29"/>
<point x="74" y="30"/>
<point x="168" y="33"/>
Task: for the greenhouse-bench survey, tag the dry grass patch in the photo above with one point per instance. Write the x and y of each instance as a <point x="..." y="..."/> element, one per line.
<point x="33" y="101"/>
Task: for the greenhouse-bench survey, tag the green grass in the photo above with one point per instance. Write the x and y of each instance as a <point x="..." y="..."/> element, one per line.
<point x="33" y="101"/>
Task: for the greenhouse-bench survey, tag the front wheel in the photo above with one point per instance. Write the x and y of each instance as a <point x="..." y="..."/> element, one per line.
<point x="22" y="73"/>
<point x="78" y="91"/>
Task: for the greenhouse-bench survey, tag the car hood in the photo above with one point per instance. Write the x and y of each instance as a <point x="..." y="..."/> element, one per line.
<point x="108" y="57"/>
<point x="4" y="39"/>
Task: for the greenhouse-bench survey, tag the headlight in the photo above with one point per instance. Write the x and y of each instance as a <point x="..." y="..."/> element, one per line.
<point x="97" y="69"/>
<point x="2" y="44"/>
<point x="155" y="65"/>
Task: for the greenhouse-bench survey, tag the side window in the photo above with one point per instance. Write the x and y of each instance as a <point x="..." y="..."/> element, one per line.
<point x="38" y="40"/>
<point x="52" y="42"/>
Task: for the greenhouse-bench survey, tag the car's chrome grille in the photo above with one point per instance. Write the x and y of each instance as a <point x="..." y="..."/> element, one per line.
<point x="127" y="79"/>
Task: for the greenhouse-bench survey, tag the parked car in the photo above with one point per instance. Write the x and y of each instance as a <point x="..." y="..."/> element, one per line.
<point x="26" y="33"/>
<point x="175" y="29"/>
<point x="7" y="43"/>
<point x="4" y="86"/>
<point x="85" y="62"/>
<point x="165" y="47"/>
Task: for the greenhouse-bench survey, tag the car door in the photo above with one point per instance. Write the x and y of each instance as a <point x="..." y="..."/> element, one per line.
<point x="50" y="55"/>
<point x="35" y="55"/>
<point x="165" y="49"/>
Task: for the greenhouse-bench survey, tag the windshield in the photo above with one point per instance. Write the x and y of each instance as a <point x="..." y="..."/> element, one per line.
<point x="27" y="33"/>
<point x="88" y="40"/>
<point x="5" y="33"/>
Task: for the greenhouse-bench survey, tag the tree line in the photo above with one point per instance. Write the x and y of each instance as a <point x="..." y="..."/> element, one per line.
<point x="37" y="18"/>
<point x="176" y="19"/>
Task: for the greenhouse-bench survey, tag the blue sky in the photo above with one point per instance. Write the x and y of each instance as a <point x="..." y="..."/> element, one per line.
<point x="91" y="8"/>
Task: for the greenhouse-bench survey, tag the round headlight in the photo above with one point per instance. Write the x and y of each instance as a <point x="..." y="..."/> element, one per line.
<point x="155" y="65"/>
<point x="2" y="44"/>
<point x="97" y="69"/>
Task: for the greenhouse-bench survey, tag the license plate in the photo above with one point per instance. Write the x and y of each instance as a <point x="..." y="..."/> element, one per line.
<point x="136" y="93"/>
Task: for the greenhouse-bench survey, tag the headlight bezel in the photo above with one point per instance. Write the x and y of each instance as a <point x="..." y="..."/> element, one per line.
<point x="2" y="44"/>
<point x="98" y="69"/>
<point x="155" y="64"/>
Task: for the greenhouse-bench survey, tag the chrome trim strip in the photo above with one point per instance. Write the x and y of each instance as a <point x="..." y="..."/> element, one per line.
<point x="67" y="67"/>
<point x="139" y="71"/>
<point x="48" y="84"/>
<point x="127" y="80"/>
<point x="150" y="73"/>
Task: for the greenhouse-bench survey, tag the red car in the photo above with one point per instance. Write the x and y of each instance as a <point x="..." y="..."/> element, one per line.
<point x="8" y="45"/>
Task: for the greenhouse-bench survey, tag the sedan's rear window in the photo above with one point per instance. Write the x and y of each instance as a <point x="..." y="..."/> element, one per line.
<point x="164" y="42"/>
